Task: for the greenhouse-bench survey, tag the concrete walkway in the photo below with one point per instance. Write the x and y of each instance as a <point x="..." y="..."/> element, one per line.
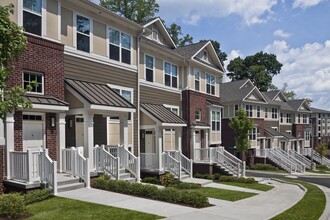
<point x="262" y="206"/>
<point x="326" y="213"/>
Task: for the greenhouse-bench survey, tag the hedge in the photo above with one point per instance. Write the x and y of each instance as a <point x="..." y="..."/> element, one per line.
<point x="169" y="194"/>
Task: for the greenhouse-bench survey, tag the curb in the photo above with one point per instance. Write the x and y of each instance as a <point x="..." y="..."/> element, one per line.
<point x="297" y="184"/>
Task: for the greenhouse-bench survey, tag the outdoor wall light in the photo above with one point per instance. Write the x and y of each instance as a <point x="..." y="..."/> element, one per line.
<point x="70" y="123"/>
<point x="52" y="121"/>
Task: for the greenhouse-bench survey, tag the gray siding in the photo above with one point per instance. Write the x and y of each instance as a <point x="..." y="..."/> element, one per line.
<point x="100" y="130"/>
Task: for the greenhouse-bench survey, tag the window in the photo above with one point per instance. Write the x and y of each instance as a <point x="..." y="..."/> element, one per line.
<point x="149" y="68"/>
<point x="197" y="114"/>
<point x="288" y="118"/>
<point x="281" y="117"/>
<point x="215" y="121"/>
<point x="32" y="117"/>
<point x="154" y="33"/>
<point x="120" y="46"/>
<point x="307" y="136"/>
<point x="236" y="109"/>
<point x="197" y="79"/>
<point x="304" y="119"/>
<point x="266" y="112"/>
<point x="171" y="75"/>
<point x="173" y="109"/>
<point x="32" y="17"/>
<point x="83" y="33"/>
<point x="249" y="110"/>
<point x="298" y="118"/>
<point x="258" y="112"/>
<point x="210" y="84"/>
<point x="253" y="134"/>
<point x="35" y="80"/>
<point x="274" y="113"/>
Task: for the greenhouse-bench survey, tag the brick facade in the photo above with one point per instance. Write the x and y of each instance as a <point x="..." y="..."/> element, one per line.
<point x="192" y="100"/>
<point x="2" y="167"/>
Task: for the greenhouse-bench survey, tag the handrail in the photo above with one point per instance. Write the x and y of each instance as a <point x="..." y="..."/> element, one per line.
<point x="130" y="162"/>
<point x="304" y="160"/>
<point x="172" y="165"/>
<point x="300" y="166"/>
<point x="279" y="160"/>
<point x="186" y="163"/>
<point x="48" y="170"/>
<point x="317" y="157"/>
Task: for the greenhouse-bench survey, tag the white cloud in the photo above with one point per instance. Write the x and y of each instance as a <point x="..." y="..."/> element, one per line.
<point x="281" y="33"/>
<point x="191" y="11"/>
<point x="305" y="69"/>
<point x="305" y="3"/>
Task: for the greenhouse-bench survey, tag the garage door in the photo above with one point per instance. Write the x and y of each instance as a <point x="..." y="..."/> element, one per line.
<point x="33" y="132"/>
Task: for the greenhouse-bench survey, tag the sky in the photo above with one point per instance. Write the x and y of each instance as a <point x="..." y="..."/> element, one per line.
<point x="296" y="31"/>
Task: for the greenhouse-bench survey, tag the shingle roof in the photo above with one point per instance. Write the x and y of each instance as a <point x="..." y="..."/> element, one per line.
<point x="273" y="132"/>
<point x="317" y="110"/>
<point x="288" y="136"/>
<point x="44" y="100"/>
<point x="213" y="102"/>
<point x="163" y="114"/>
<point x="98" y="93"/>
<point x="231" y="91"/>
<point x="190" y="50"/>
<point x="270" y="95"/>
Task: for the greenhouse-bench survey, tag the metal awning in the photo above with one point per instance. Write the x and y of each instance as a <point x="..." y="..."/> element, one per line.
<point x="46" y="103"/>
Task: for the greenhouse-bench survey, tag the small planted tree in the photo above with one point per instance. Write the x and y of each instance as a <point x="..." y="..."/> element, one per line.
<point x="12" y="44"/>
<point x="242" y="126"/>
<point x="322" y="149"/>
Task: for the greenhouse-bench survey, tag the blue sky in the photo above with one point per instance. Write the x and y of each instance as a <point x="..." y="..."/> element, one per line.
<point x="297" y="31"/>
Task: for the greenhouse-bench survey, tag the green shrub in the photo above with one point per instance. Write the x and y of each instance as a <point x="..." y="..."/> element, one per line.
<point x="167" y="180"/>
<point x="237" y="180"/>
<point x="322" y="167"/>
<point x="12" y="205"/>
<point x="260" y="166"/>
<point x="151" y="180"/>
<point x="194" y="198"/>
<point x="37" y="196"/>
<point x="169" y="194"/>
<point x="183" y="185"/>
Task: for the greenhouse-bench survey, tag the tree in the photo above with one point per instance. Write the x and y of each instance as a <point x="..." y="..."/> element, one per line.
<point x="175" y="32"/>
<point x="221" y="55"/>
<point x="242" y="126"/>
<point x="12" y="44"/>
<point x="138" y="11"/>
<point x="259" y="68"/>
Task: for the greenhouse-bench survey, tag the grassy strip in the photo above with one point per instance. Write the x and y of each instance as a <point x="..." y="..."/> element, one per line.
<point x="225" y="194"/>
<point x="63" y="208"/>
<point x="318" y="171"/>
<point x="310" y="207"/>
<point x="256" y="186"/>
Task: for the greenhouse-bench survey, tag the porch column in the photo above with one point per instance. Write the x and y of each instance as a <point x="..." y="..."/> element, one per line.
<point x="10" y="143"/>
<point x="88" y="137"/>
<point x="60" y="138"/>
<point x="124" y="129"/>
<point x="159" y="146"/>
<point x="206" y="138"/>
<point x="178" y="135"/>
<point x="192" y="145"/>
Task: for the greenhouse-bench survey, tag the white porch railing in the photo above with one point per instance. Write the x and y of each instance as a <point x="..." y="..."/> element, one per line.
<point x="172" y="165"/>
<point x="106" y="162"/>
<point x="130" y="162"/>
<point x="149" y="161"/>
<point x="317" y="157"/>
<point x="282" y="161"/>
<point x="230" y="162"/>
<point x="74" y="163"/>
<point x="33" y="166"/>
<point x="308" y="163"/>
<point x="186" y="163"/>
<point x="300" y="166"/>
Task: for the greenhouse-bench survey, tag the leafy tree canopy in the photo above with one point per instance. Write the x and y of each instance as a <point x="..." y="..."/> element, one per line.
<point x="242" y="126"/>
<point x="259" y="68"/>
<point x="138" y="11"/>
<point x="322" y="149"/>
<point x="12" y="44"/>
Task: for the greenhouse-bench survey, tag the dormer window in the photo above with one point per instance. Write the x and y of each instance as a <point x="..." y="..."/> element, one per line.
<point x="120" y="46"/>
<point x="32" y="17"/>
<point x="171" y="75"/>
<point x="83" y="33"/>
<point x="197" y="115"/>
<point x="197" y="79"/>
<point x="155" y="34"/>
<point x="205" y="55"/>
<point x="210" y="84"/>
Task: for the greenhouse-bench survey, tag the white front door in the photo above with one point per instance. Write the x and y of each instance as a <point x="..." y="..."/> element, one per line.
<point x="197" y="146"/>
<point x="79" y="132"/>
<point x="33" y="132"/>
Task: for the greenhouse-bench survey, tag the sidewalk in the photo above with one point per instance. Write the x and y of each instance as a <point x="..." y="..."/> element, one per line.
<point x="262" y="206"/>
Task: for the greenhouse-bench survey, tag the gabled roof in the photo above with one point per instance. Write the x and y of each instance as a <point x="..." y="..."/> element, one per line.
<point x="199" y="124"/>
<point x="272" y="95"/>
<point x="215" y="103"/>
<point x="162" y="114"/>
<point x="98" y="94"/>
<point x="298" y="103"/>
<point x="288" y="136"/>
<point x="317" y="110"/>
<point x="44" y="100"/>
<point x="163" y="30"/>
<point x="238" y="91"/>
<point x="273" y="132"/>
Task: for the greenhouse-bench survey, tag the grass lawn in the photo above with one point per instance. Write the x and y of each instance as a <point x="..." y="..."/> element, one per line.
<point x="310" y="207"/>
<point x="318" y="171"/>
<point x="62" y="208"/>
<point x="272" y="171"/>
<point x="256" y="186"/>
<point x="225" y="194"/>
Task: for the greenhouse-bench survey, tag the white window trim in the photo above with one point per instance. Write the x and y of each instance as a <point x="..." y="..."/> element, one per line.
<point x="172" y="106"/>
<point x="75" y="14"/>
<point x="43" y="116"/>
<point x="274" y="114"/>
<point x="199" y="80"/>
<point x="211" y="129"/>
<point x="145" y="68"/>
<point x="120" y="47"/>
<point x="215" y="82"/>
<point x="42" y="81"/>
<point x="43" y="14"/>
<point x="200" y="114"/>
<point x="171" y="76"/>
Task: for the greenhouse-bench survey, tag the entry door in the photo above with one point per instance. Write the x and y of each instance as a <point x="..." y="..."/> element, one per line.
<point x="149" y="142"/>
<point x="33" y="132"/>
<point x="79" y="132"/>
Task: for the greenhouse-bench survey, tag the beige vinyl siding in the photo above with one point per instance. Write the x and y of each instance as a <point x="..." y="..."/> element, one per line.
<point x="52" y="19"/>
<point x="99" y="38"/>
<point x="73" y="101"/>
<point x="215" y="137"/>
<point x="100" y="130"/>
<point x="158" y="74"/>
<point x="67" y="27"/>
<point x="169" y="140"/>
<point x="158" y="96"/>
<point x="13" y="17"/>
<point x="202" y="82"/>
<point x="141" y="66"/>
<point x="192" y="78"/>
<point x="82" y="69"/>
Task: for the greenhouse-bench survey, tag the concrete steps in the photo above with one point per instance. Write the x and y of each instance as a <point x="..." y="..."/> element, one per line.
<point x="66" y="182"/>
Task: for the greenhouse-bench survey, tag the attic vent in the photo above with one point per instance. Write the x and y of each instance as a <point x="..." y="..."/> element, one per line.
<point x="205" y="55"/>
